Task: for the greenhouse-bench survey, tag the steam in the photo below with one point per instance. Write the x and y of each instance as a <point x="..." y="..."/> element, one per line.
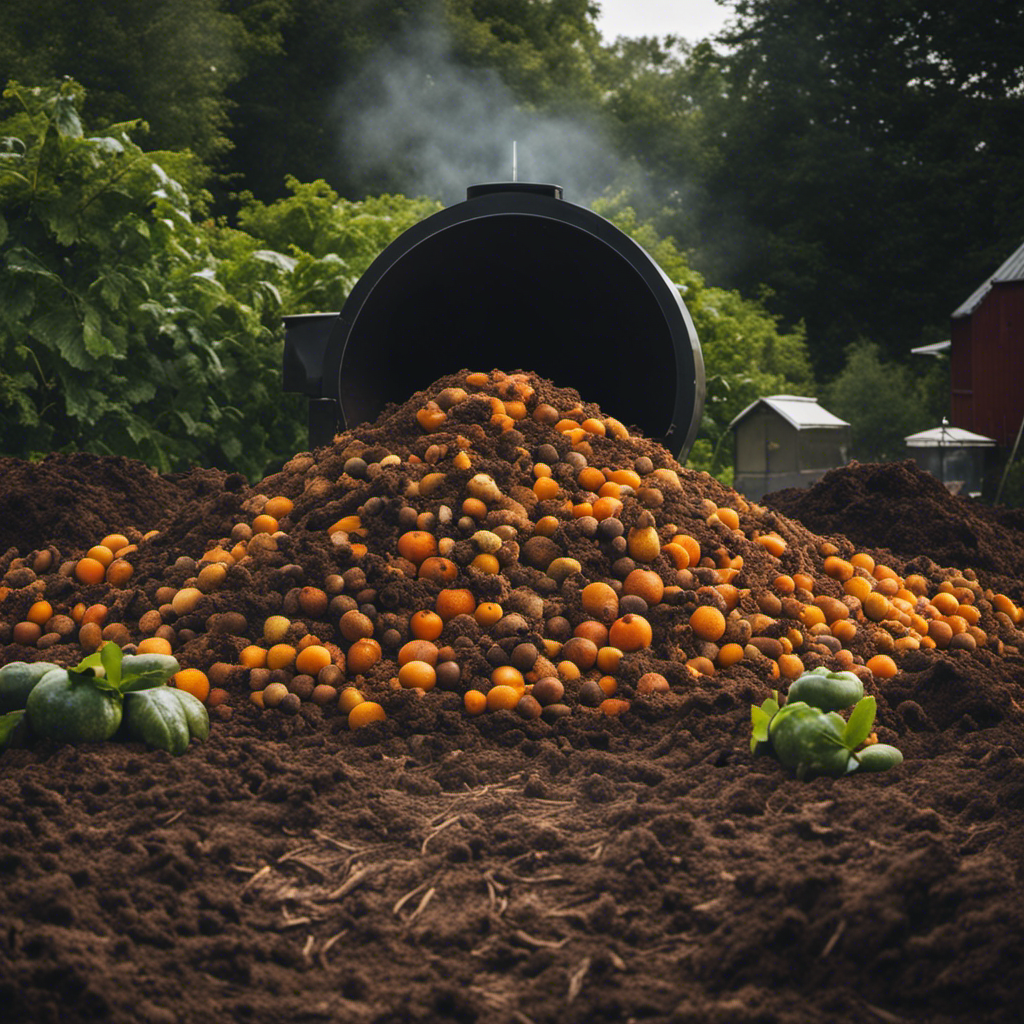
<point x="415" y="121"/>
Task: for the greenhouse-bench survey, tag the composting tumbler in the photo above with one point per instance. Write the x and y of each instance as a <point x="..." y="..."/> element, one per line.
<point x="514" y="277"/>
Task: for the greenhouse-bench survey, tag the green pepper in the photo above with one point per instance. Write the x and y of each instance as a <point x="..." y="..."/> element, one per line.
<point x="166" y="718"/>
<point x="17" y="680"/>
<point x="71" y="707"/>
<point x="829" y="691"/>
<point x="809" y="740"/>
<point x="879" y="757"/>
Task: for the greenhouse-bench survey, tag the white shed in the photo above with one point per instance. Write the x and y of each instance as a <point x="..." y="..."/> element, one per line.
<point x="786" y="441"/>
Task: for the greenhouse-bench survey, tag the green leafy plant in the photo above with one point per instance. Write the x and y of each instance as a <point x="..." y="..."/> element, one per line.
<point x="87" y="703"/>
<point x="813" y="740"/>
<point x="129" y="324"/>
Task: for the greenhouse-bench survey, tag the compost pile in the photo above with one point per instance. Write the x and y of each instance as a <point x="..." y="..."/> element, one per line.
<point x="555" y="815"/>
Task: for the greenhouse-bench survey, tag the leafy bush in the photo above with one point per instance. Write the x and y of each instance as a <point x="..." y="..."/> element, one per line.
<point x="118" y="331"/>
<point x="129" y="324"/>
<point x="332" y="240"/>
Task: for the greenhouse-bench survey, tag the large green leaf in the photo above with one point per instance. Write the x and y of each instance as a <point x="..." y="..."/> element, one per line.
<point x="59" y="329"/>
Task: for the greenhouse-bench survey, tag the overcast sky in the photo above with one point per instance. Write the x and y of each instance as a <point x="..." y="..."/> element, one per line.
<point x="691" y="19"/>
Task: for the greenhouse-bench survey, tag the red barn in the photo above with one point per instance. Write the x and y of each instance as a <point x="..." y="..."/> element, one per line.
<point x="987" y="356"/>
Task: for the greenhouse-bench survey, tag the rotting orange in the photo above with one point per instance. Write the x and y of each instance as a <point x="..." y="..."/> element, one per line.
<point x="644" y="583"/>
<point x="882" y="666"/>
<point x="417" y="546"/>
<point x="278" y="507"/>
<point x="194" y="681"/>
<point x="252" y="656"/>
<point x="364" y="714"/>
<point x="600" y="601"/>
<point x="631" y="632"/>
<point x="264" y="524"/>
<point x="311" y="659"/>
<point x="90" y="570"/>
<point x="454" y="601"/>
<point x="154" y="645"/>
<point x="425" y="625"/>
<point x="502" y="698"/>
<point x="475" y="702"/>
<point x="488" y="613"/>
<point x="40" y="613"/>
<point x="707" y="623"/>
<point x="419" y="675"/>
<point x="281" y="656"/>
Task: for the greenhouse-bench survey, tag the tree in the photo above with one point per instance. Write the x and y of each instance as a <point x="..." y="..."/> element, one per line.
<point x="746" y="354"/>
<point x="875" y="153"/>
<point x="171" y="61"/>
<point x="127" y="326"/>
<point x="882" y="401"/>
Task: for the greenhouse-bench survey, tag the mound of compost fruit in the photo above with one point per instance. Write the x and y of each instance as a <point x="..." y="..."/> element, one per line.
<point x="898" y="506"/>
<point x="608" y="850"/>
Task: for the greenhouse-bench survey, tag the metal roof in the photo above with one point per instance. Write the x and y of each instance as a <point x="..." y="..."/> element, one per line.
<point x="937" y="349"/>
<point x="1011" y="270"/>
<point x="948" y="437"/>
<point x="799" y="411"/>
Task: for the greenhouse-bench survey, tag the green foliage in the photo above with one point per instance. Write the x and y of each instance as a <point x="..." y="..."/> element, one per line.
<point x="873" y="154"/>
<point x="746" y="355"/>
<point x="331" y="240"/>
<point x="122" y="329"/>
<point x="130" y="326"/>
<point x="882" y="401"/>
<point x="811" y="738"/>
<point x="174" y="60"/>
<point x="544" y="50"/>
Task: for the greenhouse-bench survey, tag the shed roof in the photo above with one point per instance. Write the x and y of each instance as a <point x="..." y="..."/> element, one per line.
<point x="799" y="411"/>
<point x="1011" y="270"/>
<point x="948" y="437"/>
<point x="936" y="349"/>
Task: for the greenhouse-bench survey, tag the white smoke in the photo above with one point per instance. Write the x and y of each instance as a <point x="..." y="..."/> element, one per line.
<point x="415" y="116"/>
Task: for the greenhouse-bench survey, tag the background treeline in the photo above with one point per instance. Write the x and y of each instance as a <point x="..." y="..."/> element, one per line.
<point x="828" y="180"/>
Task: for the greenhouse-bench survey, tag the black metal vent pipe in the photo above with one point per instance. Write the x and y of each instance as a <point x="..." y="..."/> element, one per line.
<point x="514" y="277"/>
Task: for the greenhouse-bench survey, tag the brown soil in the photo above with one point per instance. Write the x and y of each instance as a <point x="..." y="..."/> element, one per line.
<point x="437" y="867"/>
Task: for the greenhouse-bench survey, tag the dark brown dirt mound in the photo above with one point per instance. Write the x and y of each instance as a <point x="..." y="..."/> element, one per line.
<point x="899" y="507"/>
<point x="77" y="499"/>
<point x="441" y="868"/>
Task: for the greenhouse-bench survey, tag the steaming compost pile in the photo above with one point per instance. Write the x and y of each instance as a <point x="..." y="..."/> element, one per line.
<point x="480" y="679"/>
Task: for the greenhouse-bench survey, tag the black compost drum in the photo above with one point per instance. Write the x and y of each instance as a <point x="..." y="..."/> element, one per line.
<point x="514" y="278"/>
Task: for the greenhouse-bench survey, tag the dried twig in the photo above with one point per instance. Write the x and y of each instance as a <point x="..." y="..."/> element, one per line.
<point x="325" y="838"/>
<point x="889" y="1018"/>
<point x="401" y="902"/>
<point x="295" y="852"/>
<point x="309" y="866"/>
<point x="427" y="897"/>
<point x="354" y="880"/>
<point x="265" y="870"/>
<point x="836" y="935"/>
<point x="322" y="951"/>
<point x="532" y="940"/>
<point x="430" y="835"/>
<point x="576" y="979"/>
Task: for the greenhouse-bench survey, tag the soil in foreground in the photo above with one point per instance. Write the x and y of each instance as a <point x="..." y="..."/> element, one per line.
<point x="442" y="867"/>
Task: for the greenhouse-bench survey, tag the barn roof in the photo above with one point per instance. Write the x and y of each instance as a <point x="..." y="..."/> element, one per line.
<point x="799" y="411"/>
<point x="1011" y="270"/>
